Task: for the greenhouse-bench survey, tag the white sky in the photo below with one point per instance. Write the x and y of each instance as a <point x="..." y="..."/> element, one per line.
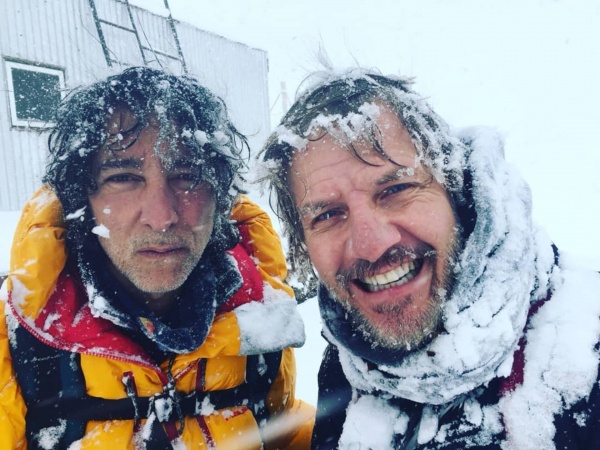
<point x="531" y="68"/>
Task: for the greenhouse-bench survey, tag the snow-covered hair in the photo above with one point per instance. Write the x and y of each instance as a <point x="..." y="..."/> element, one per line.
<point x="344" y="105"/>
<point x="181" y="106"/>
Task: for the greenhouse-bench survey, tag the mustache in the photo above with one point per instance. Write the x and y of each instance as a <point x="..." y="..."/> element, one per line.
<point x="161" y="240"/>
<point x="393" y="256"/>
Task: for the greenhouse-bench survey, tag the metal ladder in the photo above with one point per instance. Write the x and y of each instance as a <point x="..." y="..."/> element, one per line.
<point x="108" y="55"/>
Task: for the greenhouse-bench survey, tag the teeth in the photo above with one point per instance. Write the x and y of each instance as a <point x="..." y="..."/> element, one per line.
<point x="381" y="279"/>
<point x="390" y="276"/>
<point x="394" y="277"/>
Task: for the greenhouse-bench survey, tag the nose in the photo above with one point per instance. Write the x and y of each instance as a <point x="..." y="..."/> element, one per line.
<point x="159" y="205"/>
<point x="372" y="233"/>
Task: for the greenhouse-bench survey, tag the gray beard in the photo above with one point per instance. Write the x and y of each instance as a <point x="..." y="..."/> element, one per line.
<point x="399" y="332"/>
<point x="402" y="333"/>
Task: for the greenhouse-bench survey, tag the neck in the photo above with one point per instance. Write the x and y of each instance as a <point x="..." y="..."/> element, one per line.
<point x="159" y="303"/>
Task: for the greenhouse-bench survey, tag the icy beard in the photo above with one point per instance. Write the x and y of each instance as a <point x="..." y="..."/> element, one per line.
<point x="401" y="332"/>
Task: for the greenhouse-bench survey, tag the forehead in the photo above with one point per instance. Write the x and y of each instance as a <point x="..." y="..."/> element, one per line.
<point x="143" y="144"/>
<point x="325" y="153"/>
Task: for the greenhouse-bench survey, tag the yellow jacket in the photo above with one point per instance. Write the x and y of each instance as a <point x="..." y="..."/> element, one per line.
<point x="29" y="299"/>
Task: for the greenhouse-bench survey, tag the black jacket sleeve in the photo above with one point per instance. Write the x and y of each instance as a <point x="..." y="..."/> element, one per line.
<point x="579" y="426"/>
<point x="335" y="394"/>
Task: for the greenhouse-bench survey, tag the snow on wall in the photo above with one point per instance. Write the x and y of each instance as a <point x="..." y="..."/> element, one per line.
<point x="62" y="35"/>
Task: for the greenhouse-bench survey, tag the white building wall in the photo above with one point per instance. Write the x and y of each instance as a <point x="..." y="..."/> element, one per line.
<point x="62" y="34"/>
<point x="237" y="73"/>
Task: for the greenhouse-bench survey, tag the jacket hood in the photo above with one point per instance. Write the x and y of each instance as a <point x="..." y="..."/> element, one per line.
<point x="38" y="258"/>
<point x="507" y="265"/>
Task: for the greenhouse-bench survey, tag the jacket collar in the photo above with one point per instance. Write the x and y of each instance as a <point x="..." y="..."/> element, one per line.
<point x="186" y="326"/>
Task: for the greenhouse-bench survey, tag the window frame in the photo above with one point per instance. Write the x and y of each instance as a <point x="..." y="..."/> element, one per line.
<point x="31" y="67"/>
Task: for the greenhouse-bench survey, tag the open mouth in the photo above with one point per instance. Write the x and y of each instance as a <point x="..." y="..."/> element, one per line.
<point x="395" y="277"/>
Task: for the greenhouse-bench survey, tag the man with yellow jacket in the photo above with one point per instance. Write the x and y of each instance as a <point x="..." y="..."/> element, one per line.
<point x="145" y="306"/>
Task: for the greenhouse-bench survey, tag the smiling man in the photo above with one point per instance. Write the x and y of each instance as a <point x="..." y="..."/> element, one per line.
<point x="139" y="277"/>
<point x="453" y="321"/>
<point x="383" y="236"/>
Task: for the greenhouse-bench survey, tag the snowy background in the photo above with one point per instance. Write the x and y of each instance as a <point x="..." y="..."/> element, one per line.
<point x="531" y="68"/>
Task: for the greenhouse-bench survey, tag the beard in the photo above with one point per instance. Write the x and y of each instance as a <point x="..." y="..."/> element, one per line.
<point x="403" y="328"/>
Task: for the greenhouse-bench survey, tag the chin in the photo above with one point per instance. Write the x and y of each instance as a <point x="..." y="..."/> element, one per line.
<point x="400" y="333"/>
<point x="154" y="288"/>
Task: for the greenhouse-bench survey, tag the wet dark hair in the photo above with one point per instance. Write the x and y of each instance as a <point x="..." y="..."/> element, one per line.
<point x="181" y="106"/>
<point x="341" y="98"/>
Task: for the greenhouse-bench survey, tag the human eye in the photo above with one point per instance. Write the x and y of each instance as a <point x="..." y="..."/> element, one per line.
<point x="185" y="180"/>
<point x="328" y="218"/>
<point x="395" y="189"/>
<point x="120" y="180"/>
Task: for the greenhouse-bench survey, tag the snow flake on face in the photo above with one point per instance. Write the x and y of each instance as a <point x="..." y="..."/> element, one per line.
<point x="101" y="231"/>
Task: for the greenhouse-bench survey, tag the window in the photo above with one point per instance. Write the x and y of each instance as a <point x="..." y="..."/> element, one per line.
<point x="34" y="92"/>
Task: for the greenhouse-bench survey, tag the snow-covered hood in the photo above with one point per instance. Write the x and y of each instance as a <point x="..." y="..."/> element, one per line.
<point x="507" y="265"/>
<point x="504" y="260"/>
